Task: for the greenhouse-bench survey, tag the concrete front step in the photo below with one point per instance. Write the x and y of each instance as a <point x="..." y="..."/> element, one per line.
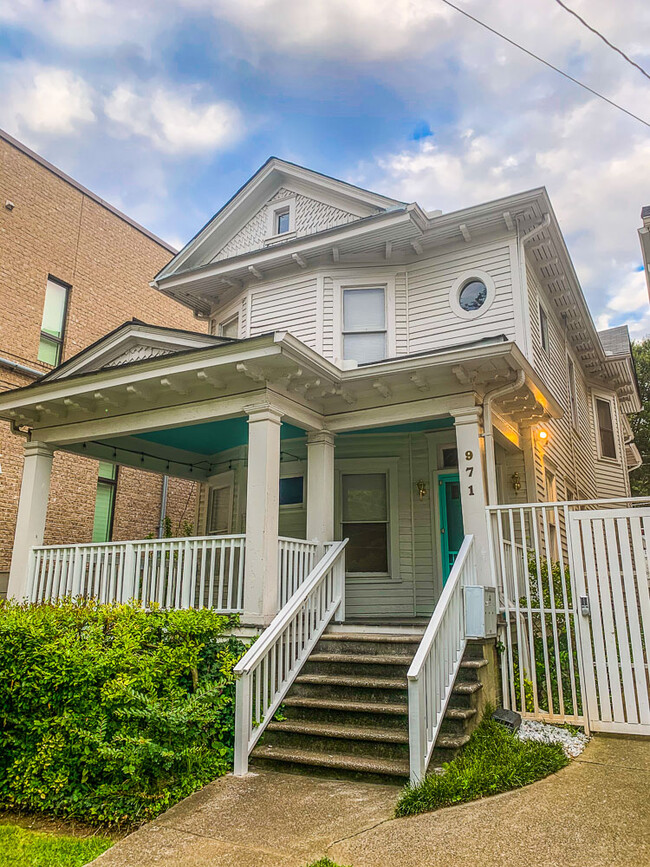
<point x="343" y="731"/>
<point x="364" y="643"/>
<point x="397" y="769"/>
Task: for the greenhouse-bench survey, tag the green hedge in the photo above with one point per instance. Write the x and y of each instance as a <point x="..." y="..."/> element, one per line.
<point x="109" y="713"/>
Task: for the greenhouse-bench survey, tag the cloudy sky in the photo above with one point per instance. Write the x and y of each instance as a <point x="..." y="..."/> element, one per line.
<point x="165" y="108"/>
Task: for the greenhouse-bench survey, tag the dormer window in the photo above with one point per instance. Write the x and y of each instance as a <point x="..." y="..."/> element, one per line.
<point x="281" y="222"/>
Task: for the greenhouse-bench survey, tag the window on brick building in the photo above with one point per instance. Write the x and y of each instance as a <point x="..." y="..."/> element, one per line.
<point x="105" y="502"/>
<point x="53" y="324"/>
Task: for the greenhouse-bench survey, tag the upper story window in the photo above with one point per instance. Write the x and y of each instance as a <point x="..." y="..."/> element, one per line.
<point x="230" y="328"/>
<point x="472" y="294"/>
<point x="364" y="324"/>
<point x="605" y="424"/>
<point x="281" y="222"/>
<point x="53" y="324"/>
<point x="573" y="397"/>
<point x="543" y="329"/>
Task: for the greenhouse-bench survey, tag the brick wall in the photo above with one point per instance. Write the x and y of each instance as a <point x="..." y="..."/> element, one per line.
<point x="59" y="230"/>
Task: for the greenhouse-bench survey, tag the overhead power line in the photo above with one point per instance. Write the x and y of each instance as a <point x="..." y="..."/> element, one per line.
<point x="604" y="38"/>
<point x="546" y="63"/>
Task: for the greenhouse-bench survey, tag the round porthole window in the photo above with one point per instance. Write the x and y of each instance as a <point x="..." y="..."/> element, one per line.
<point x="473" y="295"/>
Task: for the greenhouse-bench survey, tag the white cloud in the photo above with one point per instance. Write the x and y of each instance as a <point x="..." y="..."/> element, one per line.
<point x="44" y="99"/>
<point x="174" y="121"/>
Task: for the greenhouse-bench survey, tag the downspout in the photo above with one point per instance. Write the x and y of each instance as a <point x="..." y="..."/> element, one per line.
<point x="546" y="222"/>
<point x="163" y="506"/>
<point x="488" y="432"/>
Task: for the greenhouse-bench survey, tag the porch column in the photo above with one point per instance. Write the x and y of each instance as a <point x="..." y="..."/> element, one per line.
<point x="32" y="511"/>
<point x="471" y="468"/>
<point x="262" y="514"/>
<point x="320" y="486"/>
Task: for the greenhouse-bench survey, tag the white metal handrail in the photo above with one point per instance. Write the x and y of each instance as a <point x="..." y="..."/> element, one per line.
<point x="186" y="572"/>
<point x="435" y="665"/>
<point x="267" y="671"/>
<point x="296" y="559"/>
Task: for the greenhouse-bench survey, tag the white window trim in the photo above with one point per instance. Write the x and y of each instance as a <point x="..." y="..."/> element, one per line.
<point x="273" y="210"/>
<point x="226" y="314"/>
<point x="572" y="383"/>
<point x="467" y="277"/>
<point x="599" y="395"/>
<point x="545" y="349"/>
<point x="221" y="480"/>
<point x="225" y="322"/>
<point x="362" y="466"/>
<point x="292" y="470"/>
<point x="368" y="281"/>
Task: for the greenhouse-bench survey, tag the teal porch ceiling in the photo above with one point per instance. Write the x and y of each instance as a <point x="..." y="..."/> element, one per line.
<point x="211" y="437"/>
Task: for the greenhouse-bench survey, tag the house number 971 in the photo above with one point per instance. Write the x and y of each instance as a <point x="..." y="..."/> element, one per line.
<point x="470" y="471"/>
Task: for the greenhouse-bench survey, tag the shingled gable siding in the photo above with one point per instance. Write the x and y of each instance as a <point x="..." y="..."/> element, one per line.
<point x="54" y="228"/>
<point x="311" y="216"/>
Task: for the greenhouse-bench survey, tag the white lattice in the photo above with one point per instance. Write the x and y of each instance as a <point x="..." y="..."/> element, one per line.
<point x="138" y="353"/>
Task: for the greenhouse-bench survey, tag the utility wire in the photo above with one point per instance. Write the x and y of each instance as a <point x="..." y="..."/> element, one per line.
<point x="546" y="63"/>
<point x="604" y="38"/>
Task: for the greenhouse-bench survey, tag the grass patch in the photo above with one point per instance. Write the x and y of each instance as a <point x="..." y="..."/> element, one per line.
<point x="493" y="761"/>
<point x="324" y="862"/>
<point x="22" y="848"/>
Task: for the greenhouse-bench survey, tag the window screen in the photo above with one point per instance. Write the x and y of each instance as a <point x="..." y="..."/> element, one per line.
<point x="291" y="491"/>
<point x="231" y="327"/>
<point x="365" y="522"/>
<point x="219" y="510"/>
<point x="364" y="325"/>
<point x="606" y="428"/>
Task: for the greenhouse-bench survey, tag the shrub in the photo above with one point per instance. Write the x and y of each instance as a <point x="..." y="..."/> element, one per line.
<point x="493" y="761"/>
<point x="110" y="713"/>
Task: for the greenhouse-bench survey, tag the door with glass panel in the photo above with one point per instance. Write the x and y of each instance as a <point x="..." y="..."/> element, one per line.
<point x="365" y="520"/>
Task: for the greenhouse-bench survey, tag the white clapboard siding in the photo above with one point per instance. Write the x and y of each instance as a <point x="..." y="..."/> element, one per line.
<point x="571" y="454"/>
<point x="290" y="307"/>
<point x="432" y="322"/>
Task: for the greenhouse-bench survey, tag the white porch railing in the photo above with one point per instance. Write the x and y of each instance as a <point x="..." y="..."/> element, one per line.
<point x="435" y="665"/>
<point x="194" y="572"/>
<point x="269" y="668"/>
<point x="296" y="559"/>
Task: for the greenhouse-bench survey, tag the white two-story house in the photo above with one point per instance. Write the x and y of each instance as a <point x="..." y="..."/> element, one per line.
<point x="374" y="372"/>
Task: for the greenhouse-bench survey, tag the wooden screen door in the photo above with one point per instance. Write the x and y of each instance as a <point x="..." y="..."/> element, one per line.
<point x="451" y="521"/>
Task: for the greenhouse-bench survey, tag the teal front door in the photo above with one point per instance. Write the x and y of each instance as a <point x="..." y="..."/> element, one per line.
<point x="451" y="521"/>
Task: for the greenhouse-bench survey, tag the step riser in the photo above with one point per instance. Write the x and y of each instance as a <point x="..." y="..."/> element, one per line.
<point x="372" y="648"/>
<point x="335" y="773"/>
<point x="458" y="726"/>
<point x="381" y="720"/>
<point x="333" y="746"/>
<point x="349" y="693"/>
<point x="357" y="669"/>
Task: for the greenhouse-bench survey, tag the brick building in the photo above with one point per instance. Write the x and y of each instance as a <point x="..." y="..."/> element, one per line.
<point x="72" y="268"/>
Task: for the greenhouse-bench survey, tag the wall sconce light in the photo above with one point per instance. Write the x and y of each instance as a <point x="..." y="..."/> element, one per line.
<point x="422" y="488"/>
<point x="516" y="482"/>
<point x="543" y="436"/>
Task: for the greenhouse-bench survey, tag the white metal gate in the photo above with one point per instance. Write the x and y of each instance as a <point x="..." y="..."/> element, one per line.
<point x="610" y="575"/>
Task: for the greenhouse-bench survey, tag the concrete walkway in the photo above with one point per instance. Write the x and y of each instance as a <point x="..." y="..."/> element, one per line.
<point x="595" y="813"/>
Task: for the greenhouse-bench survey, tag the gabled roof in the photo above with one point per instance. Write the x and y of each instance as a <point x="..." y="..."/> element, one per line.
<point x="256" y="192"/>
<point x="128" y="343"/>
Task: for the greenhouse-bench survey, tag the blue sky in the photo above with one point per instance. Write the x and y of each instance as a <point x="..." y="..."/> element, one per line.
<point x="165" y="108"/>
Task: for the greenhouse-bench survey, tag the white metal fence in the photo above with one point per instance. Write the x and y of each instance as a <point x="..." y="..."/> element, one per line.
<point x="437" y="661"/>
<point x="572" y="581"/>
<point x="268" y="669"/>
<point x="195" y="572"/>
<point x="296" y="559"/>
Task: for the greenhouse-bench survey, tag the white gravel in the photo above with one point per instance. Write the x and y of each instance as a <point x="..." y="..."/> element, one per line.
<point x="573" y="745"/>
